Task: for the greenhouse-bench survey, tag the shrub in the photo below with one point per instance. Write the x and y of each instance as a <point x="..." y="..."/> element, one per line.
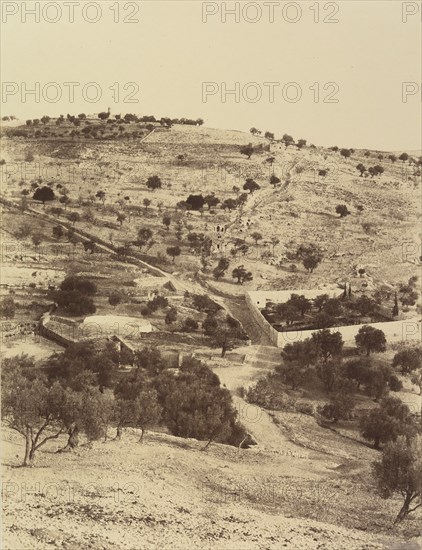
<point x="247" y="150"/>
<point x="44" y="194"/>
<point x="408" y="360"/>
<point x="171" y="316"/>
<point x="8" y="307"/>
<point x="154" y="182"/>
<point x="115" y="298"/>
<point x="75" y="302"/>
<point x="202" y="302"/>
<point x="342" y="210"/>
<point x="190" y="325"/>
<point x="58" y="231"/>
<point x="387" y="422"/>
<point x="80" y="284"/>
<point x="305" y="408"/>
<point x="394" y="383"/>
<point x="158" y="302"/>
<point x="268" y="394"/>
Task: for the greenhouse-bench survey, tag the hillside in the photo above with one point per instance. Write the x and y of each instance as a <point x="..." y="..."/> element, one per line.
<point x="384" y="210"/>
<point x="167" y="493"/>
<point x="302" y="486"/>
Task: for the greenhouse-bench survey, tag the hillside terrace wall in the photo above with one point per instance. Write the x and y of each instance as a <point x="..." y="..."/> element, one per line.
<point x="50" y="334"/>
<point x="85" y="236"/>
<point x="395" y="331"/>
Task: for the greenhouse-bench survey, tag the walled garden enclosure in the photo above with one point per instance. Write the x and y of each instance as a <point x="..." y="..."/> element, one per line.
<point x="395" y="330"/>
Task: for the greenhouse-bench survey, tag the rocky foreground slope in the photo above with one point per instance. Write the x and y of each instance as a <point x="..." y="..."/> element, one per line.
<point x="168" y="494"/>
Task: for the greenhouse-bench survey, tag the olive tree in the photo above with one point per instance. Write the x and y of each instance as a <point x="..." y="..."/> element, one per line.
<point x="399" y="471"/>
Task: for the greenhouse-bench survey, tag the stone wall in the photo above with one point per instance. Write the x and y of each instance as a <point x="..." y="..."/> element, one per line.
<point x="395" y="331"/>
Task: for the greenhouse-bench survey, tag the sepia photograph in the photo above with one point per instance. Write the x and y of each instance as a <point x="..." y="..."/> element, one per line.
<point x="210" y="279"/>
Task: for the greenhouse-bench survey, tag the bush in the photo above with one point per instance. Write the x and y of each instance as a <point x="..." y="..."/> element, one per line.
<point x="75" y="302"/>
<point x="23" y="231"/>
<point x="115" y="298"/>
<point x="171" y="316"/>
<point x="340" y="407"/>
<point x="342" y="210"/>
<point x="305" y="408"/>
<point x="387" y="422"/>
<point x="158" y="302"/>
<point x="80" y="284"/>
<point x="202" y="302"/>
<point x="44" y="194"/>
<point x="8" y="307"/>
<point x="190" y="325"/>
<point x="394" y="383"/>
<point x="58" y="231"/>
<point x="268" y="393"/>
<point x="154" y="182"/>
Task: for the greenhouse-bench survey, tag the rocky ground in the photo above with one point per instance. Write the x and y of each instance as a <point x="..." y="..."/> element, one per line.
<point x="167" y="493"/>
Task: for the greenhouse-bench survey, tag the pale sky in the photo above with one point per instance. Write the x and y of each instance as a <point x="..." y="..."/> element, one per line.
<point x="172" y="51"/>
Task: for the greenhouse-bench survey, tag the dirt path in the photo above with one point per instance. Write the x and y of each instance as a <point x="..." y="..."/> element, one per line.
<point x="257" y="421"/>
<point x="298" y="456"/>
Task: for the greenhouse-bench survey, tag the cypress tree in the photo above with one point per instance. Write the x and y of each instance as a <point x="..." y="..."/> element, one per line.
<point x="396" y="306"/>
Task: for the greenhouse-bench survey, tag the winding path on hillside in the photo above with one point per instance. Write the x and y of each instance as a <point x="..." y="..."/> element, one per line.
<point x="234" y="305"/>
<point x="257" y="421"/>
<point x="295" y="459"/>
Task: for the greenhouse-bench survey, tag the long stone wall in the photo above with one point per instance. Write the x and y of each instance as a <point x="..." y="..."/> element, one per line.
<point x="260" y="319"/>
<point x="395" y="331"/>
